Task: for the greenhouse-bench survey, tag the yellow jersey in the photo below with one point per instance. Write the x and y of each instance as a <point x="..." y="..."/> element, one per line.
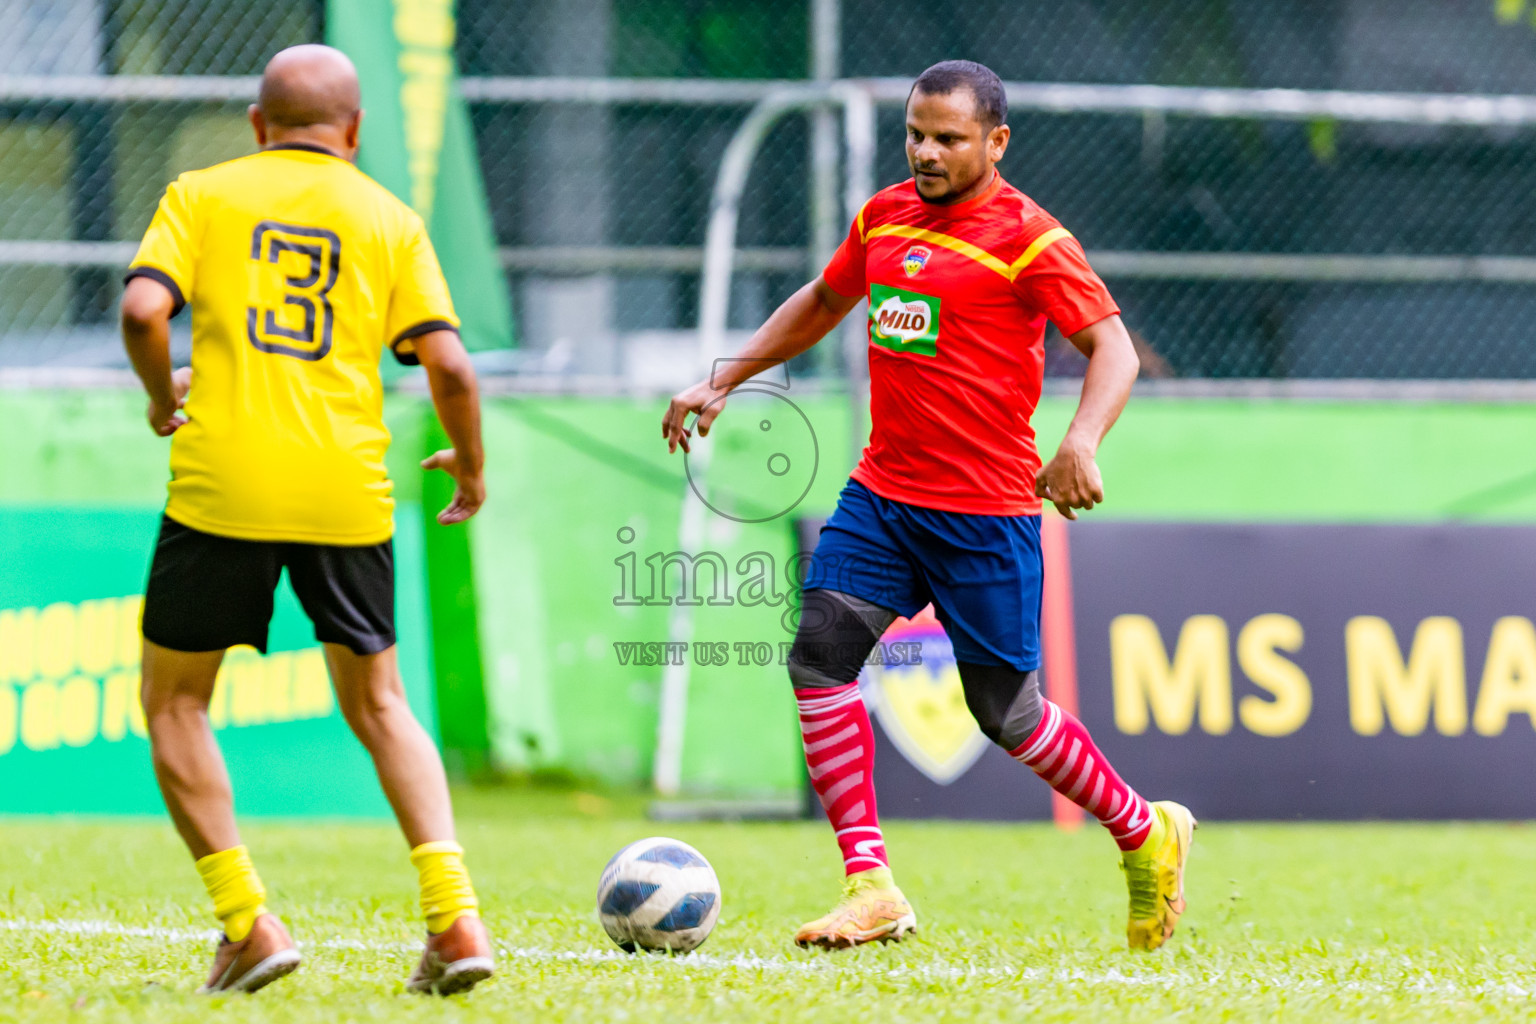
<point x="298" y="268"/>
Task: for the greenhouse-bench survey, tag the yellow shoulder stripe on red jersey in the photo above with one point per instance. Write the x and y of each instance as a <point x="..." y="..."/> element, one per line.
<point x="1036" y="247"/>
<point x="950" y="242"/>
<point x="969" y="250"/>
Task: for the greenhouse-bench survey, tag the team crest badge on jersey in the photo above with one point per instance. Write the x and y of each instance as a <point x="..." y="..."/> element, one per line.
<point x="915" y="259"/>
<point x="921" y="707"/>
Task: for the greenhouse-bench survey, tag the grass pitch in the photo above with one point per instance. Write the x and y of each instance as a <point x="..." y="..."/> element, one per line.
<point x="107" y="921"/>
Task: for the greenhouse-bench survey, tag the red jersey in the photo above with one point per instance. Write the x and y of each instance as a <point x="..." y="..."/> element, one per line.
<point x="958" y="300"/>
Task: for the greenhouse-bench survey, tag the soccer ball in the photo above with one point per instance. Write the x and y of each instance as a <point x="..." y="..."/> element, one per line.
<point x="658" y="894"/>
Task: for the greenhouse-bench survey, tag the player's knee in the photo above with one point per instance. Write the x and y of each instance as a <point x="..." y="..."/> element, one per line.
<point x="1006" y="703"/>
<point x="836" y="633"/>
<point x="162" y="704"/>
<point x="807" y="669"/>
<point x="814" y="663"/>
<point x="1024" y="714"/>
<point x="153" y="700"/>
<point x="371" y="713"/>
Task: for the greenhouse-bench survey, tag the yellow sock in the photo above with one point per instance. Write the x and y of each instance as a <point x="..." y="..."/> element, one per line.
<point x="446" y="894"/>
<point x="238" y="896"/>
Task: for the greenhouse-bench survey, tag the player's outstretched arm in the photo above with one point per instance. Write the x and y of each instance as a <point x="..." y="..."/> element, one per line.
<point x="456" y="397"/>
<point x="1071" y="480"/>
<point x="146" y="318"/>
<point x="804" y="319"/>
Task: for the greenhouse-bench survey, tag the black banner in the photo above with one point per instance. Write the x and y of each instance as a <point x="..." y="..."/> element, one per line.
<point x="1263" y="672"/>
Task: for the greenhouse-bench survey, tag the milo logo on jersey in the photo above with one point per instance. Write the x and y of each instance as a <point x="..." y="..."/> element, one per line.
<point x="903" y="321"/>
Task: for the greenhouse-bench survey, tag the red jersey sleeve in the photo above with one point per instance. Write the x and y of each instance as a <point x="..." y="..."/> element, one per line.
<point x="844" y="273"/>
<point x="1059" y="283"/>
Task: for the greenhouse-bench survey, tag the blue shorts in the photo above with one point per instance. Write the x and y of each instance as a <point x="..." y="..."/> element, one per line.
<point x="981" y="573"/>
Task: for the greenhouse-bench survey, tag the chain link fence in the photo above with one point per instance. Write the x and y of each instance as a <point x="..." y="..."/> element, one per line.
<point x="1265" y="245"/>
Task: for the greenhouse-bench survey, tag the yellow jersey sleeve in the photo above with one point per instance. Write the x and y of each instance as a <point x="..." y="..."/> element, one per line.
<point x="420" y="302"/>
<point x="169" y="249"/>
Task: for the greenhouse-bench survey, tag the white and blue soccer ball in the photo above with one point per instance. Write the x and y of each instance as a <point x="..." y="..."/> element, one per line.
<point x="658" y="894"/>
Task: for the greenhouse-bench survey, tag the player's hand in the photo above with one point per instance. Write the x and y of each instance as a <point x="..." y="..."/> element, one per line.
<point x="703" y="400"/>
<point x="1071" y="480"/>
<point x="164" y="421"/>
<point x="181" y="382"/>
<point x="468" y="495"/>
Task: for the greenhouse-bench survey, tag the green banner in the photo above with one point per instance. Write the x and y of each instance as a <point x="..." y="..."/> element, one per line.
<point x="417" y="142"/>
<point x="553" y="580"/>
<point x="72" y="736"/>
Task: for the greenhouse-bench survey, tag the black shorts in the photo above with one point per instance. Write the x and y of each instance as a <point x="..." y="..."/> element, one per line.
<point x="207" y="593"/>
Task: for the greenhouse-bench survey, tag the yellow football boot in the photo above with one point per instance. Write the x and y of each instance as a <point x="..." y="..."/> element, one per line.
<point x="872" y="910"/>
<point x="1154" y="873"/>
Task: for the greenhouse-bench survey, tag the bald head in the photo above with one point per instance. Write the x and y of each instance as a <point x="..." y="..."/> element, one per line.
<point x="309" y="85"/>
<point x="309" y="97"/>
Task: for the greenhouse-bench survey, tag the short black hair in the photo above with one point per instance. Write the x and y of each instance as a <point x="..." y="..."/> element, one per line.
<point x="949" y="76"/>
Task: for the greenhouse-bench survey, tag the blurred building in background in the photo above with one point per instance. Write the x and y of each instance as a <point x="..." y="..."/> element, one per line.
<point x="1253" y="246"/>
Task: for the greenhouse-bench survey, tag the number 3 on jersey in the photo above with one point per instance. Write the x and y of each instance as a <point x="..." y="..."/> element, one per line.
<point x="295" y="269"/>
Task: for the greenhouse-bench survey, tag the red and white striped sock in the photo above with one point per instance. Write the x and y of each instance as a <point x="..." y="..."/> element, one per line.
<point x="840" y="753"/>
<point x="1062" y="753"/>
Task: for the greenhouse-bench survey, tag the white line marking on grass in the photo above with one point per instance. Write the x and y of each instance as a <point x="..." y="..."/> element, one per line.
<point x="109" y="928"/>
<point x="1423" y="986"/>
